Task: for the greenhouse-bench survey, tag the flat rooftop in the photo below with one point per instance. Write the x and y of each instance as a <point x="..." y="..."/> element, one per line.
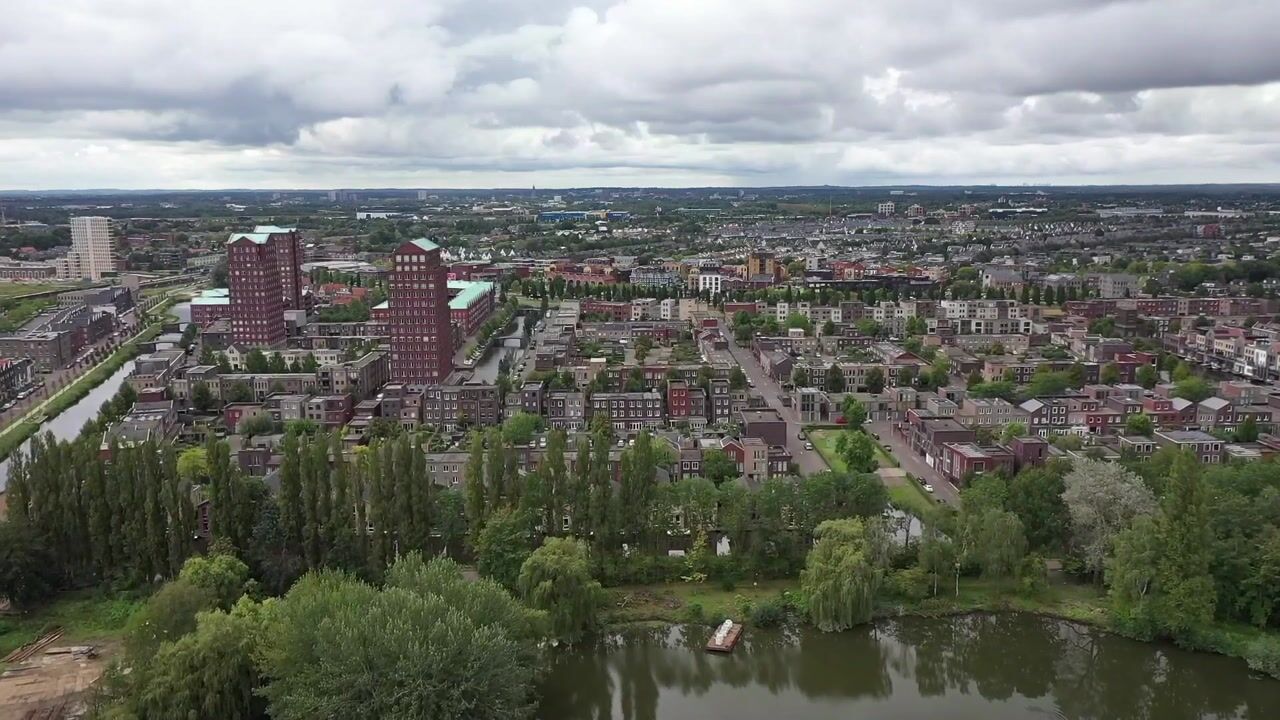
<point x="469" y="292"/>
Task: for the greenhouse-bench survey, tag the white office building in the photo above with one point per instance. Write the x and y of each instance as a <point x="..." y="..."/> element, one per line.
<point x="886" y="208"/>
<point x="91" y="249"/>
<point x="712" y="282"/>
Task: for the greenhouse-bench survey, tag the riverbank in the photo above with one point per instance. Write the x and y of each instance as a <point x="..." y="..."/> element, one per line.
<point x="705" y="603"/>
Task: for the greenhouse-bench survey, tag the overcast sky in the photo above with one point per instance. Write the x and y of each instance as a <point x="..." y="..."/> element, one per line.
<point x="556" y="93"/>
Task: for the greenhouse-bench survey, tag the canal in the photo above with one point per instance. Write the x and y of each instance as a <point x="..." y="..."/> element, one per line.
<point x="66" y="425"/>
<point x="487" y="369"/>
<point x="979" y="667"/>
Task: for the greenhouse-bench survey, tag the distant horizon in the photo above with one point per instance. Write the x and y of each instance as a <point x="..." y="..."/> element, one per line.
<point x="553" y="189"/>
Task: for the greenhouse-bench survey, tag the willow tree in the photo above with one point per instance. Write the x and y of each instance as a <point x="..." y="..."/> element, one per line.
<point x="556" y="579"/>
<point x="844" y="572"/>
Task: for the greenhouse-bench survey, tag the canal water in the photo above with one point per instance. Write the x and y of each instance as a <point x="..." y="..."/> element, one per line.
<point x="68" y="423"/>
<point x="978" y="667"/>
<point x="487" y="369"/>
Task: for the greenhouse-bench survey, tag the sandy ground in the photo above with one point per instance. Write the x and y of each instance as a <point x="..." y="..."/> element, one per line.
<point x="52" y="683"/>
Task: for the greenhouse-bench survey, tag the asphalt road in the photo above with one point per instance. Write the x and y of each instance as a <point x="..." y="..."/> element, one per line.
<point x="914" y="463"/>
<point x="809" y="461"/>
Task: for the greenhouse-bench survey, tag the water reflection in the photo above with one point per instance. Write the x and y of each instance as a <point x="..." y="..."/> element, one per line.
<point x="977" y="666"/>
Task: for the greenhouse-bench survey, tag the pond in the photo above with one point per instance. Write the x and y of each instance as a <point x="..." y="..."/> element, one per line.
<point x="981" y="666"/>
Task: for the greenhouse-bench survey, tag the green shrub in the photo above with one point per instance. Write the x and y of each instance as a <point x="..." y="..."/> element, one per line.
<point x="909" y="583"/>
<point x="772" y="612"/>
<point x="694" y="614"/>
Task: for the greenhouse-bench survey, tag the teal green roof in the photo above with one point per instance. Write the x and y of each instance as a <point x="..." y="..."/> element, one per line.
<point x="271" y="229"/>
<point x="468" y="292"/>
<point x="425" y="244"/>
<point x="253" y="237"/>
<point x="212" y="296"/>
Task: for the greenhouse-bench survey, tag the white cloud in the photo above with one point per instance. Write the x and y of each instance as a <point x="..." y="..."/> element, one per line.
<point x="323" y="93"/>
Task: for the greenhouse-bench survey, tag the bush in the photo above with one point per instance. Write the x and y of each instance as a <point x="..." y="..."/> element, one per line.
<point x="772" y="612"/>
<point x="910" y="583"/>
<point x="638" y="569"/>
<point x="694" y="614"/>
<point x="1263" y="655"/>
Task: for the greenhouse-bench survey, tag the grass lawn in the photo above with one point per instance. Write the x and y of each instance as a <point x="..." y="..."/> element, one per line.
<point x="1080" y="602"/>
<point x="824" y="441"/>
<point x="16" y="313"/>
<point x="910" y="496"/>
<point x="670" y="602"/>
<point x="10" y="289"/>
<point x="906" y="496"/>
<point x="84" y="616"/>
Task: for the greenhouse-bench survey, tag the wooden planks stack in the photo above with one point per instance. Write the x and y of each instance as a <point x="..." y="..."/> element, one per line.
<point x="25" y="652"/>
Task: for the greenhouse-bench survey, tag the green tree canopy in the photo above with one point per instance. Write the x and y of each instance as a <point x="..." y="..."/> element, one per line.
<point x="503" y="546"/>
<point x="844" y="572"/>
<point x="429" y="644"/>
<point x="1139" y="424"/>
<point x="556" y="579"/>
<point x="28" y="572"/>
<point x="858" y="451"/>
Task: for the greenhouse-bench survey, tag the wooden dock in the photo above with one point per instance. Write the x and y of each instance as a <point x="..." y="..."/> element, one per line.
<point x="729" y="640"/>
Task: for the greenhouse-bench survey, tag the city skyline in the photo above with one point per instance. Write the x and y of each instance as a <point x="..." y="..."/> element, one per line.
<point x="637" y="93"/>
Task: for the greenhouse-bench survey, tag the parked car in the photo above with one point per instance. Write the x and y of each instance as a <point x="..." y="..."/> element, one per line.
<point x="928" y="488"/>
<point x="808" y="446"/>
<point x="887" y="447"/>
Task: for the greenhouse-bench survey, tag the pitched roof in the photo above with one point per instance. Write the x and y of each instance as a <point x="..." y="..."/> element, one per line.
<point x="1214" y="403"/>
<point x="253" y="237"/>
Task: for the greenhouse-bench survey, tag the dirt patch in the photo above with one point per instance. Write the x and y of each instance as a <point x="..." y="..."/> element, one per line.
<point x="51" y="684"/>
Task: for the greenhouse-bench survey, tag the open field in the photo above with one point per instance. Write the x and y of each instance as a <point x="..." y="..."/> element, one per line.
<point x="9" y="289"/>
<point x="86" y="617"/>
<point x="671" y="602"/>
<point x="16" y="313"/>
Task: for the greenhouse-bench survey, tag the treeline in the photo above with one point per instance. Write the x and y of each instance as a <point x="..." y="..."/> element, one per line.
<point x="127" y="521"/>
<point x="137" y="513"/>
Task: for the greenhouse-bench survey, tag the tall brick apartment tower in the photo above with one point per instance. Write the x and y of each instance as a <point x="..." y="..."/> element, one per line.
<point x="418" y="316"/>
<point x="264" y="263"/>
<point x="287" y="243"/>
<point x="257" y="302"/>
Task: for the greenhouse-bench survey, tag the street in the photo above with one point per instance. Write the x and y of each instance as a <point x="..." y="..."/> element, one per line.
<point x="809" y="461"/>
<point x="913" y="463"/>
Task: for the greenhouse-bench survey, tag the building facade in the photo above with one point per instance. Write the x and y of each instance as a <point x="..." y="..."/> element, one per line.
<point x="91" y="248"/>
<point x="418" y="316"/>
<point x="257" y="301"/>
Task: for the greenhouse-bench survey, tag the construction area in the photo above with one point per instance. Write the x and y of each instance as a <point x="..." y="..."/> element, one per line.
<point x="44" y="680"/>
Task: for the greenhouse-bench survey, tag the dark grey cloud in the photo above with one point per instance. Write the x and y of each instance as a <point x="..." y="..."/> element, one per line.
<point x="807" y="91"/>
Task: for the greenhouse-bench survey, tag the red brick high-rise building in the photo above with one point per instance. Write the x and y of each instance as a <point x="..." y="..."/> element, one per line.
<point x="418" y="316"/>
<point x="288" y="248"/>
<point x="264" y="278"/>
